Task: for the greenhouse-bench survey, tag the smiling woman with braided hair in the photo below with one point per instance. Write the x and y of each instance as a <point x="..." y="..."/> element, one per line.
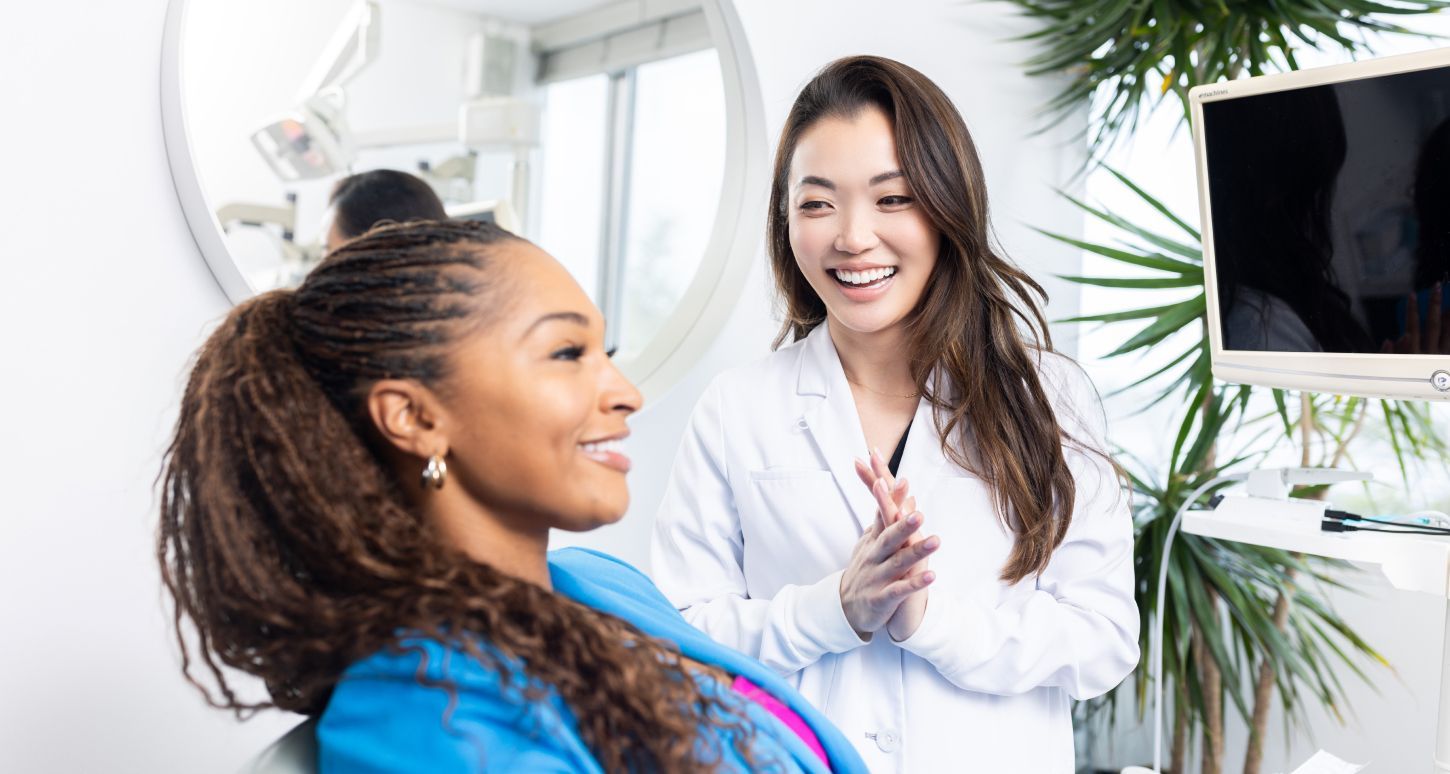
<point x="356" y="506"/>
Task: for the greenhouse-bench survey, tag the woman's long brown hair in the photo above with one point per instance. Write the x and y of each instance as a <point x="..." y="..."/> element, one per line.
<point x="991" y="399"/>
<point x="286" y="543"/>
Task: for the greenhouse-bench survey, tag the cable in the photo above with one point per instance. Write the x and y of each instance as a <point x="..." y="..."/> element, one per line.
<point x="1157" y="644"/>
<point x="1339" y="526"/>
<point x="1425" y="517"/>
<point x="1344" y="521"/>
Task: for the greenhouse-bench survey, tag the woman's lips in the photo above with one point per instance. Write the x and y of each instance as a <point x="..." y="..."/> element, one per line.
<point x="607" y="453"/>
<point x="614" y="460"/>
<point x="863" y="293"/>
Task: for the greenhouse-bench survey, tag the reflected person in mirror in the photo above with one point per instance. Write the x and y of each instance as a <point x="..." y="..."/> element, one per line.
<point x="356" y="508"/>
<point x="362" y="201"/>
<point x="945" y="624"/>
<point x="1273" y="200"/>
<point x="1422" y="315"/>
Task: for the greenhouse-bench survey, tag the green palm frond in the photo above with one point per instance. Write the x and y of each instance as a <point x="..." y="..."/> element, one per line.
<point x="1212" y="581"/>
<point x="1170" y="263"/>
<point x="1408" y="426"/>
<point x="1123" y="56"/>
<point x="1335" y="420"/>
<point x="1306" y="657"/>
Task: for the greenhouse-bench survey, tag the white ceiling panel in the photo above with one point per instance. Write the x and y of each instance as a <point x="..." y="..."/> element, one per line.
<point x="527" y="12"/>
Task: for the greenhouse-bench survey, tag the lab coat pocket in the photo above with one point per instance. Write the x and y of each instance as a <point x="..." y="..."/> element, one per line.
<point x="796" y="526"/>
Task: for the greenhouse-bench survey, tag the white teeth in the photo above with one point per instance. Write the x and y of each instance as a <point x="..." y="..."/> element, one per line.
<point x="603" y="447"/>
<point x="864" y="277"/>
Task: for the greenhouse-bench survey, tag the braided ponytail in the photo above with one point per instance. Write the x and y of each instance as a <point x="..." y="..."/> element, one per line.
<point x="286" y="543"/>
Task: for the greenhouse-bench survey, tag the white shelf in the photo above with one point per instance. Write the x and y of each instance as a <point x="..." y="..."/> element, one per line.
<point x="1409" y="562"/>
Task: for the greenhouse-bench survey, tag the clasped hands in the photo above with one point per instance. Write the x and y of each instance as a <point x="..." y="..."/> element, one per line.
<point x="884" y="584"/>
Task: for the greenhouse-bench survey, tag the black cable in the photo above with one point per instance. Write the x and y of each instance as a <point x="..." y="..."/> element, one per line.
<point x="1329" y="525"/>
<point x="1339" y="517"/>
<point x="1426" y="527"/>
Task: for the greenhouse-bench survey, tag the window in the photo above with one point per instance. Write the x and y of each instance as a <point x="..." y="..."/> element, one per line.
<point x="571" y="201"/>
<point x="631" y="173"/>
<point x="674" y="188"/>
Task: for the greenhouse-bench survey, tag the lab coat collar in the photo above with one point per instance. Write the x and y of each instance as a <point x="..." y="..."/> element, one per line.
<point x="833" y="423"/>
<point x="820" y="365"/>
<point x="835" y="426"/>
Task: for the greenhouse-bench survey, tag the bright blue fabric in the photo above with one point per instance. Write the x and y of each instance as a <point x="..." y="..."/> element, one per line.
<point x="383" y="719"/>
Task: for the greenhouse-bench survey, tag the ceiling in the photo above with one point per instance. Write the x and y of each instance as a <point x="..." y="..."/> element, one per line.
<point x="528" y="12"/>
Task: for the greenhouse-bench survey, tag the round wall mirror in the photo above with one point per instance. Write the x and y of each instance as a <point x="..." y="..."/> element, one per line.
<point x="625" y="138"/>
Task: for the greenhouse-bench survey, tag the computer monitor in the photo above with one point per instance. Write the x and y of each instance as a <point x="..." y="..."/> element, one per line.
<point x="1325" y="203"/>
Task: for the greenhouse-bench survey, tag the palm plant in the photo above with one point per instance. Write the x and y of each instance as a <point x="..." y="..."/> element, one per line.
<point x="1127" y="55"/>
<point x="1298" y="646"/>
<point x="1280" y="634"/>
<point x="1123" y="58"/>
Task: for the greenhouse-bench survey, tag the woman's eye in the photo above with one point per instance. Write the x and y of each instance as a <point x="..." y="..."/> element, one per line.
<point x="895" y="201"/>
<point x="568" y="353"/>
<point x="815" y="206"/>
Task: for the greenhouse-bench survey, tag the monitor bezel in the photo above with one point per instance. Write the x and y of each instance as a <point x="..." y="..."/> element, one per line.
<point x="1363" y="374"/>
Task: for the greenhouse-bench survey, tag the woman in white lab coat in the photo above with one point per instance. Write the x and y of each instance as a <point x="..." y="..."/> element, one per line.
<point x="911" y="335"/>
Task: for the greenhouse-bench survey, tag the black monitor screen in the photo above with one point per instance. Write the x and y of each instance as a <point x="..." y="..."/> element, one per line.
<point x="1330" y="212"/>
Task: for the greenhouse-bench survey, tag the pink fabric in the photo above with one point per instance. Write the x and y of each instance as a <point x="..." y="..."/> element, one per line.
<point x="787" y="716"/>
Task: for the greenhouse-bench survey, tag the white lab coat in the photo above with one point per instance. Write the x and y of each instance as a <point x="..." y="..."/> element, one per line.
<point x="759" y="519"/>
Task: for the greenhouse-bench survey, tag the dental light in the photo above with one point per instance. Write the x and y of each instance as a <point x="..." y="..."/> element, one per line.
<point x="314" y="141"/>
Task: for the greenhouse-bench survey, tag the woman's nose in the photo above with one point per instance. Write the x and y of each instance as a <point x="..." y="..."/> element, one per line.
<point x="619" y="393"/>
<point x="857" y="234"/>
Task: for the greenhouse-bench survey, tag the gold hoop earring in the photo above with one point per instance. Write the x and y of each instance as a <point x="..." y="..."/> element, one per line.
<point x="435" y="473"/>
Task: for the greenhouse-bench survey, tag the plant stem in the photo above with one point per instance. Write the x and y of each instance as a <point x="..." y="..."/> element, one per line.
<point x="1179" y="755"/>
<point x="1210" y="677"/>
<point x="1264" y="690"/>
<point x="1264" y="687"/>
<point x="1306" y="427"/>
<point x="1343" y="447"/>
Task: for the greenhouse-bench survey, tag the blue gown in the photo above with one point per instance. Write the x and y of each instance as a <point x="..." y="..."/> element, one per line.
<point x="382" y="719"/>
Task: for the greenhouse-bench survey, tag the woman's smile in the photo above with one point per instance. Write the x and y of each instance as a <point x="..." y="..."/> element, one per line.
<point x="863" y="285"/>
<point x="608" y="452"/>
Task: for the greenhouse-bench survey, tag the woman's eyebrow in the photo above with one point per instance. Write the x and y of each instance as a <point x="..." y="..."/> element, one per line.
<point x="573" y="317"/>
<point x="827" y="184"/>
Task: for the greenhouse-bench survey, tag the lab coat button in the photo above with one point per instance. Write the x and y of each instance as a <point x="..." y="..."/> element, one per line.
<point x="1441" y="381"/>
<point x="801" y="425"/>
<point x="888" y="741"/>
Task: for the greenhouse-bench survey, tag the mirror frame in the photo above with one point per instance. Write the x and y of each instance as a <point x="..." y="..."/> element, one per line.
<point x="735" y="238"/>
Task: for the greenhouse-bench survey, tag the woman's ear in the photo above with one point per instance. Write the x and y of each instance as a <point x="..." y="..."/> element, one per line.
<point x="408" y="416"/>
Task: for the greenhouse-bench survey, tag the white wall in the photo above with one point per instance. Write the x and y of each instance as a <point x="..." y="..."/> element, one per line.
<point x="105" y="297"/>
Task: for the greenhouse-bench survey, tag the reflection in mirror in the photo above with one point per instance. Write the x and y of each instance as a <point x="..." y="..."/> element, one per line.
<point x="597" y="130"/>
